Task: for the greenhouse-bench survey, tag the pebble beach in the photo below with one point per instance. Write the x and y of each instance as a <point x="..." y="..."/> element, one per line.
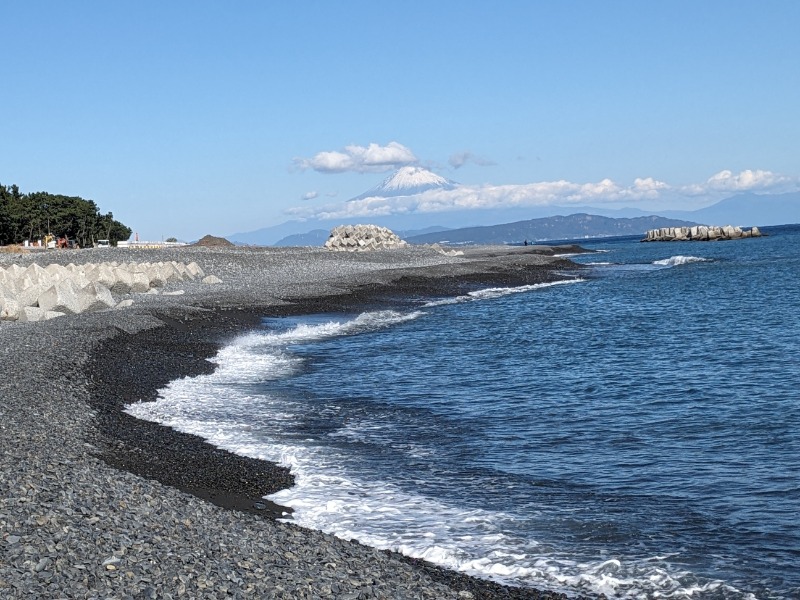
<point x="97" y="504"/>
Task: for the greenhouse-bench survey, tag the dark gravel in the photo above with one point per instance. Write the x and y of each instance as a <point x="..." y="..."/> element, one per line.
<point x="96" y="504"/>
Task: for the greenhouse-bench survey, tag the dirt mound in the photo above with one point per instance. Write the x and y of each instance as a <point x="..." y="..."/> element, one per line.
<point x="210" y="240"/>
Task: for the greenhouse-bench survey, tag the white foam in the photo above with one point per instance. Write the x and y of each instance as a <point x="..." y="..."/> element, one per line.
<point x="498" y="292"/>
<point x="368" y="321"/>
<point x="250" y="359"/>
<point x="674" y="261"/>
<point x="473" y="541"/>
<point x="230" y="412"/>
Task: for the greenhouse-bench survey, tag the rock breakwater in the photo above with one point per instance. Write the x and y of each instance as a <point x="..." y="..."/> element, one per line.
<point x="699" y="233"/>
<point x="352" y="238"/>
<point x="37" y="293"/>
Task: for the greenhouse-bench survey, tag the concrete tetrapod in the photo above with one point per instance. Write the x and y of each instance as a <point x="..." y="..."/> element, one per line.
<point x="34" y="293"/>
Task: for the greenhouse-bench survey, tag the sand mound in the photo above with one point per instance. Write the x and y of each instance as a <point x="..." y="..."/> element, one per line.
<point x="212" y="241"/>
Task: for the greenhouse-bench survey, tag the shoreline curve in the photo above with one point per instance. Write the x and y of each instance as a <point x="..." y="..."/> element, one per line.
<point x="121" y="358"/>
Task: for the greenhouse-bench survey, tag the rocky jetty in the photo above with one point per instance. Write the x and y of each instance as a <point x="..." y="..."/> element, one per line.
<point x="37" y="293"/>
<point x="699" y="233"/>
<point x="351" y="238"/>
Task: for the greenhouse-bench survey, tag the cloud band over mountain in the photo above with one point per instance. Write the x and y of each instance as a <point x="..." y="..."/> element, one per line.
<point x="551" y="193"/>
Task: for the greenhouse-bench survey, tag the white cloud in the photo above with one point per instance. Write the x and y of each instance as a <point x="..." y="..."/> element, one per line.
<point x="744" y="181"/>
<point x="556" y="193"/>
<point x="459" y="159"/>
<point x="360" y="159"/>
<point x="310" y="195"/>
<point x="546" y="193"/>
<point x="649" y="187"/>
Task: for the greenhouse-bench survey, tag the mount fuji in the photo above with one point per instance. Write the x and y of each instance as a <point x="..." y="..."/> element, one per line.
<point x="407" y="181"/>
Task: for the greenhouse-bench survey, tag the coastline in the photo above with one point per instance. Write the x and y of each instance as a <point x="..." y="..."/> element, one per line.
<point x="165" y="338"/>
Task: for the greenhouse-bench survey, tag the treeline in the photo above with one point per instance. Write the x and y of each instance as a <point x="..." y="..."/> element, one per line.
<point x="33" y="216"/>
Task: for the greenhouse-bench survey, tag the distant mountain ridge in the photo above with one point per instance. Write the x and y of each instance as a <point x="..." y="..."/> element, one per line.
<point x="744" y="210"/>
<point x="574" y="226"/>
<point x="747" y="210"/>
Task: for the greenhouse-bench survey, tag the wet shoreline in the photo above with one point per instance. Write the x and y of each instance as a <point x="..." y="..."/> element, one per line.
<point x="130" y="362"/>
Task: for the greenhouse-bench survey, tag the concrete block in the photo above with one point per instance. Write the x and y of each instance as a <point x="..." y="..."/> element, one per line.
<point x="21" y="282"/>
<point x="194" y="270"/>
<point x="56" y="272"/>
<point x="31" y="314"/>
<point x="98" y="297"/>
<point x="123" y="281"/>
<point x="15" y="271"/>
<point x="153" y="275"/>
<point x="168" y="273"/>
<point x="105" y="275"/>
<point x="140" y="283"/>
<point x="64" y="297"/>
<point x="30" y="295"/>
<point x="180" y="268"/>
<point x="10" y="310"/>
<point x="90" y="270"/>
<point x="79" y="278"/>
<point x="38" y="274"/>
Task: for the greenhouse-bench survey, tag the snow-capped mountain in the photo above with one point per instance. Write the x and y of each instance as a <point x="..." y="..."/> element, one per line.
<point x="407" y="181"/>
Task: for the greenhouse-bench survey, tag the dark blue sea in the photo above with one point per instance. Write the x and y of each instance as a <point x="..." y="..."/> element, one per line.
<point x="633" y="431"/>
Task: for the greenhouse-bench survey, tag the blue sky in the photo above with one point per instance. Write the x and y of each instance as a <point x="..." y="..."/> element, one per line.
<point x="187" y="118"/>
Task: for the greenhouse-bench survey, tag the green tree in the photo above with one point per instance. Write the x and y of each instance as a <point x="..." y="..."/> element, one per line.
<point x="32" y="216"/>
<point x="7" y="196"/>
<point x="110" y="229"/>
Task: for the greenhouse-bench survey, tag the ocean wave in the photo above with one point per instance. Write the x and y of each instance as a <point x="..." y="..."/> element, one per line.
<point x="473" y="541"/>
<point x="303" y="333"/>
<point x="223" y="409"/>
<point x="263" y="356"/>
<point x="382" y="515"/>
<point x="674" y="261"/>
<point x="498" y="292"/>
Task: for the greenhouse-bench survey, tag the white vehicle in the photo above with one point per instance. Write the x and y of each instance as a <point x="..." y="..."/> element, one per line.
<point x="102" y="244"/>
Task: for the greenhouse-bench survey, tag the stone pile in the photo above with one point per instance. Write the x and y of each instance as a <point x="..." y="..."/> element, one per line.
<point x="36" y="293"/>
<point x="702" y="233"/>
<point x="445" y="251"/>
<point x="350" y="238"/>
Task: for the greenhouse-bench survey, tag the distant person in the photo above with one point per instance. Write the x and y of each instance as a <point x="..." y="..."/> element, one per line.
<point x="526" y="242"/>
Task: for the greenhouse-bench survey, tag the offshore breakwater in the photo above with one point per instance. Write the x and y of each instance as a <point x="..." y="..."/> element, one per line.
<point x="699" y="233"/>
